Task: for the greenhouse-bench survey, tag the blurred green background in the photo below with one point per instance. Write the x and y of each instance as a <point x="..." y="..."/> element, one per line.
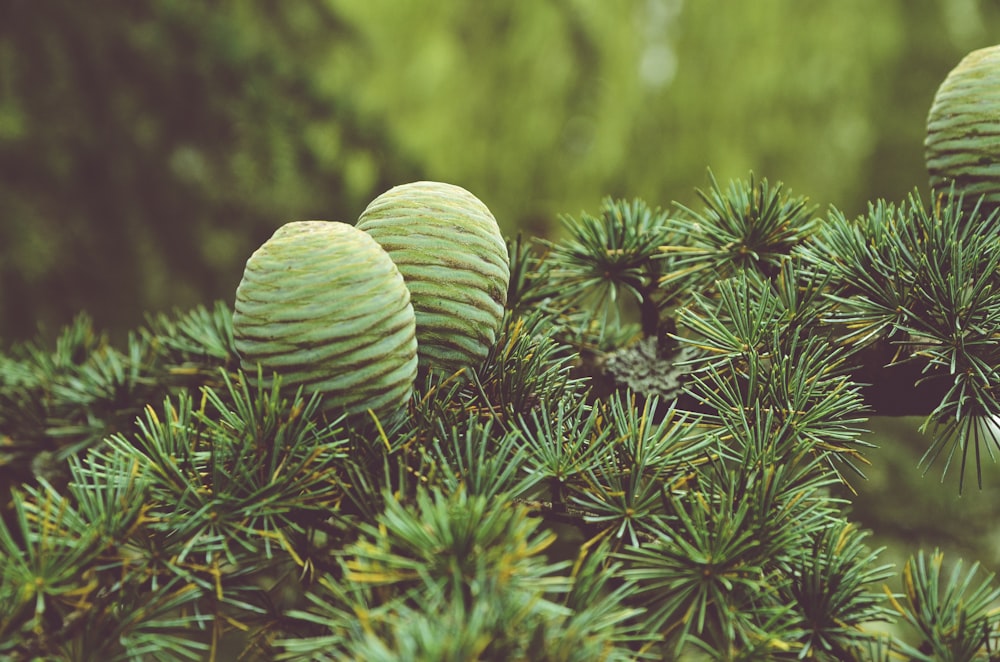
<point x="147" y="148"/>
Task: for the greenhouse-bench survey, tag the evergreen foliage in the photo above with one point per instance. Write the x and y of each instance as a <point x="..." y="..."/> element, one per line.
<point x="159" y="504"/>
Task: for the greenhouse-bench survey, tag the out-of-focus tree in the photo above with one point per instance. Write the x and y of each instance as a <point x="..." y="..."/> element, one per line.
<point x="146" y="149"/>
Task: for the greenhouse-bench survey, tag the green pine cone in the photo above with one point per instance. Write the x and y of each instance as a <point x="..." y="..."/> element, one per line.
<point x="323" y="305"/>
<point x="963" y="130"/>
<point x="453" y="258"/>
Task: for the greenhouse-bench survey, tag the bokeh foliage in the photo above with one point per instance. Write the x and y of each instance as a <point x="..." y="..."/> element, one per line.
<point x="147" y="148"/>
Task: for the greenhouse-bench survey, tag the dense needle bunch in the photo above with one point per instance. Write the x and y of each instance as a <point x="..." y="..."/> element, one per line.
<point x="923" y="280"/>
<point x="560" y="502"/>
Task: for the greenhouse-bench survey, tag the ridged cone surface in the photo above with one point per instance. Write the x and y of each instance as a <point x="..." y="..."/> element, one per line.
<point x="963" y="129"/>
<point x="323" y="305"/>
<point x="454" y="259"/>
